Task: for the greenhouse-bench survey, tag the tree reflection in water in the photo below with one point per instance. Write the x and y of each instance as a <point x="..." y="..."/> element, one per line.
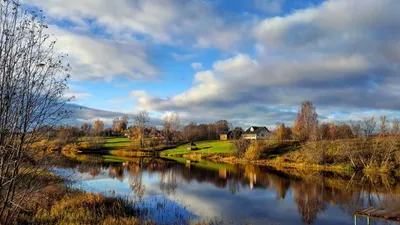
<point x="313" y="193"/>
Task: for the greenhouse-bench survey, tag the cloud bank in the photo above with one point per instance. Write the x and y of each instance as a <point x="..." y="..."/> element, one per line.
<point x="342" y="55"/>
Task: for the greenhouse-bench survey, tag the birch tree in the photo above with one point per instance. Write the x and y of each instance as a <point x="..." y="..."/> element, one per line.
<point x="33" y="79"/>
<point x="140" y="121"/>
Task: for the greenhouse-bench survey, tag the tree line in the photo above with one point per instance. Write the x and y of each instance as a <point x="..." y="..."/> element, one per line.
<point x="307" y="127"/>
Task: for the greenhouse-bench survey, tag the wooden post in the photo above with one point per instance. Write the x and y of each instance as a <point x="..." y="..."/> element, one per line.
<point x="368" y="222"/>
<point x="355" y="220"/>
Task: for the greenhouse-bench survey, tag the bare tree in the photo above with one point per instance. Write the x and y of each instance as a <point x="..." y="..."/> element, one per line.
<point x="355" y="128"/>
<point x="115" y="124"/>
<point x="172" y="124"/>
<point x="396" y="127"/>
<point x="32" y="81"/>
<point x="384" y="126"/>
<point x="141" y="119"/>
<point x="237" y="133"/>
<point x="368" y="126"/>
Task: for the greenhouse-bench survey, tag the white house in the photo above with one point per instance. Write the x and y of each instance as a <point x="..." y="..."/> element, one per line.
<point x="256" y="133"/>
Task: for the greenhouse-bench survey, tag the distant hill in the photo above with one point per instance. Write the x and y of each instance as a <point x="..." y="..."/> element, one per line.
<point x="83" y="114"/>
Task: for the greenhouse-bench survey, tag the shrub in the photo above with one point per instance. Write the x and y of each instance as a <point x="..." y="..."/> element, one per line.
<point x="240" y="147"/>
<point x="93" y="143"/>
<point x="254" y="151"/>
<point x="70" y="148"/>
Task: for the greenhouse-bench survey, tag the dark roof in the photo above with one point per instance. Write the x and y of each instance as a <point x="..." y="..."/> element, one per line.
<point x="224" y="132"/>
<point x="256" y="130"/>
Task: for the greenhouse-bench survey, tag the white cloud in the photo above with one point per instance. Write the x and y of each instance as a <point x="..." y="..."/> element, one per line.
<point x="173" y="22"/>
<point x="321" y="27"/>
<point x="338" y="62"/>
<point x="340" y="54"/>
<point x="95" y="58"/>
<point x="197" y="66"/>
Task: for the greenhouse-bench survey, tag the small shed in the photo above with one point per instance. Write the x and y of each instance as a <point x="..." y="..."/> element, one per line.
<point x="226" y="136"/>
<point x="191" y="146"/>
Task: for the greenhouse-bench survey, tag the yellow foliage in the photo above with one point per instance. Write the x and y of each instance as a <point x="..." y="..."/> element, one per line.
<point x="254" y="151"/>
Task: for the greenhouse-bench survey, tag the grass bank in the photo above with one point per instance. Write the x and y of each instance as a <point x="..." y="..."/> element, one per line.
<point x="375" y="155"/>
<point x="116" y="143"/>
<point x="54" y="202"/>
<point x="61" y="205"/>
<point x="203" y="147"/>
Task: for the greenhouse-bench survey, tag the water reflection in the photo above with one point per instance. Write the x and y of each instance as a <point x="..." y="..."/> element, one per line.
<point x="239" y="193"/>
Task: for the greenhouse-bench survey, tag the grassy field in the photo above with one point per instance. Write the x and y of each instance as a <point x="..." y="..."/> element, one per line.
<point x="212" y="147"/>
<point x="118" y="143"/>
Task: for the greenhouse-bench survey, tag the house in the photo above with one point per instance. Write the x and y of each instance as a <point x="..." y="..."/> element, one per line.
<point x="226" y="136"/>
<point x="256" y="133"/>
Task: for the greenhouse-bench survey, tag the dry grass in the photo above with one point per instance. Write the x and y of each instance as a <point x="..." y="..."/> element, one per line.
<point x="370" y="155"/>
<point x="58" y="204"/>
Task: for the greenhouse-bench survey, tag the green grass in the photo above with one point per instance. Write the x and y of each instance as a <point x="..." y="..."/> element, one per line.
<point x="118" y="143"/>
<point x="212" y="147"/>
<point x="111" y="159"/>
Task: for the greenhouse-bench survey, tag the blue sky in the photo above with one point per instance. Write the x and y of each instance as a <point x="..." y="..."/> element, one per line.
<point x="250" y="62"/>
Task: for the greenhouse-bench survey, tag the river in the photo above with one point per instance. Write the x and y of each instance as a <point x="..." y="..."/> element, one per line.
<point x="175" y="191"/>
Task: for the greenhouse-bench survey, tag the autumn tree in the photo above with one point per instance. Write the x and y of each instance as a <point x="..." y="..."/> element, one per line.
<point x="33" y="79"/>
<point x="306" y="124"/>
<point x="123" y="124"/>
<point x="343" y="131"/>
<point x="85" y="128"/>
<point x="140" y="121"/>
<point x="98" y="127"/>
<point x="332" y="131"/>
<point x="324" y="131"/>
<point x="120" y="124"/>
<point x="281" y="132"/>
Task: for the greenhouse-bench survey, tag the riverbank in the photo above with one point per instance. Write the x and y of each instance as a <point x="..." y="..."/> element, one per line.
<point x="375" y="155"/>
<point x="245" y="192"/>
<point x="58" y="203"/>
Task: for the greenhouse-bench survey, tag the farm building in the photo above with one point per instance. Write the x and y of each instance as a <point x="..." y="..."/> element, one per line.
<point x="256" y="133"/>
<point x="226" y="136"/>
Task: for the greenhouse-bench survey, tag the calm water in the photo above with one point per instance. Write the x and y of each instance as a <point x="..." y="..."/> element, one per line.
<point x="172" y="192"/>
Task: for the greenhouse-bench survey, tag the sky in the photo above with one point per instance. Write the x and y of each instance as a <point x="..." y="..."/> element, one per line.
<point x="250" y="62"/>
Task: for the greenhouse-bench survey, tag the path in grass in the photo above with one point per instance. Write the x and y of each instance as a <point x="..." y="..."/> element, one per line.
<point x="212" y="147"/>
